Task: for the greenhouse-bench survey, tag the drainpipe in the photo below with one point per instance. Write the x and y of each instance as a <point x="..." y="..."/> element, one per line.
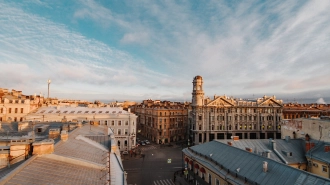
<point x="277" y="153"/>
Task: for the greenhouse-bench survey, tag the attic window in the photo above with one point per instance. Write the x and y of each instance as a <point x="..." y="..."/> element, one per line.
<point x="58" y="111"/>
<point x="86" y="112"/>
<point x="50" y="111"/>
<point x="79" y="112"/>
<point x="100" y="112"/>
<point x="106" y="112"/>
<point x="72" y="112"/>
<point x="65" y="111"/>
<point x="93" y="111"/>
<point x="113" y="111"/>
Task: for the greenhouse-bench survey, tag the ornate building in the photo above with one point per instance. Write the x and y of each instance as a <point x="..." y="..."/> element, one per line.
<point x="295" y="110"/>
<point x="225" y="116"/>
<point x="162" y="121"/>
<point x="122" y="123"/>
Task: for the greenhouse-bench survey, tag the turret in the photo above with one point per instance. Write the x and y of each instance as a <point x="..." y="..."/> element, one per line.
<point x="198" y="93"/>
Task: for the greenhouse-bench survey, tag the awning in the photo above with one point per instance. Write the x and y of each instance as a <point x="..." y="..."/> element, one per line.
<point x="196" y="166"/>
<point x="191" y="162"/>
<point x="202" y="170"/>
<point x="186" y="159"/>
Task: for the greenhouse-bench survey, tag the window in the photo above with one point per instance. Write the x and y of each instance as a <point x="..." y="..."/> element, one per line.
<point x="23" y="111"/>
<point x="48" y="112"/>
<point x="72" y="112"/>
<point x="100" y="112"/>
<point x="217" y="182"/>
<point x="199" y="117"/>
<point x="9" y="111"/>
<point x="79" y="112"/>
<point x="106" y="112"/>
<point x="119" y="123"/>
<point x="324" y="168"/>
<point x="126" y="131"/>
<point x="126" y="122"/>
<point x="58" y="111"/>
<point x="93" y="112"/>
<point x="125" y="142"/>
<point x="63" y="112"/>
<point x="119" y="131"/>
<point x="86" y="112"/>
<point x="112" y="123"/>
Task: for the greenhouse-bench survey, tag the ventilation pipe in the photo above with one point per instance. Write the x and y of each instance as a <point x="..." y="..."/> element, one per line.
<point x="278" y="153"/>
<point x="265" y="166"/>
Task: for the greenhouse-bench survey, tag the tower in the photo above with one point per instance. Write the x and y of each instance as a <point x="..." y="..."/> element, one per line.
<point x="48" y="87"/>
<point x="198" y="92"/>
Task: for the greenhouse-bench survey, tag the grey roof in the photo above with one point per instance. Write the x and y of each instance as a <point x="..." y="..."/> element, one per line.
<point x="79" y="160"/>
<point x="225" y="161"/>
<point x="295" y="146"/>
<point x="318" y="152"/>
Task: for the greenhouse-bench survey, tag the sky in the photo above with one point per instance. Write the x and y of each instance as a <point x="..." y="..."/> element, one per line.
<point x="149" y="49"/>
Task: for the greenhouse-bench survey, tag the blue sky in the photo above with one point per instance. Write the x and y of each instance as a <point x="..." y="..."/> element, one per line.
<point x="134" y="50"/>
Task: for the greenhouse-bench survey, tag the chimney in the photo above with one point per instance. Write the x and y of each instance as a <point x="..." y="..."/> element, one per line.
<point x="309" y="145"/>
<point x="273" y="145"/>
<point x="248" y="149"/>
<point x="287" y="138"/>
<point x="265" y="166"/>
<point x="236" y="138"/>
<point x="326" y="148"/>
<point x="230" y="143"/>
<point x="64" y="135"/>
<point x="267" y="153"/>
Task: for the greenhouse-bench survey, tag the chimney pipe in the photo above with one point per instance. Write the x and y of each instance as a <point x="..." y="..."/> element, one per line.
<point x="265" y="167"/>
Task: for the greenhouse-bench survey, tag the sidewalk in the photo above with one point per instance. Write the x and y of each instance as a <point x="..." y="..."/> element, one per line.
<point x="179" y="179"/>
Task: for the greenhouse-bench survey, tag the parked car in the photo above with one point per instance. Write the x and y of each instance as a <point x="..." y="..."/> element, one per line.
<point x="143" y="143"/>
<point x="147" y="142"/>
<point x="125" y="152"/>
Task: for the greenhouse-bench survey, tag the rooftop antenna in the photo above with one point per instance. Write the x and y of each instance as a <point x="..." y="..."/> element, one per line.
<point x="49" y="81"/>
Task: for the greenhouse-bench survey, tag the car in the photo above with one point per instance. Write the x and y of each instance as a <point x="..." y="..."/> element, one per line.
<point x="147" y="142"/>
<point x="125" y="152"/>
<point x="143" y="143"/>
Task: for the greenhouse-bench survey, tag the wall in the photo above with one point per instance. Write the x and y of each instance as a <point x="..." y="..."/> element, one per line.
<point x="315" y="128"/>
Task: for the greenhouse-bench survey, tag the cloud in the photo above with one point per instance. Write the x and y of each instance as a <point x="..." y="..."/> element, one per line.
<point x="263" y="46"/>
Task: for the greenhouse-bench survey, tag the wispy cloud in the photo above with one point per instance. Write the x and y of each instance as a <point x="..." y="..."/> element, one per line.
<point x="238" y="47"/>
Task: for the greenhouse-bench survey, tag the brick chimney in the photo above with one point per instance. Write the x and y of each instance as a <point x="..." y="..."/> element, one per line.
<point x="309" y="145"/>
<point x="235" y="138"/>
<point x="230" y="143"/>
<point x="64" y="135"/>
<point x="326" y="148"/>
<point x="248" y="149"/>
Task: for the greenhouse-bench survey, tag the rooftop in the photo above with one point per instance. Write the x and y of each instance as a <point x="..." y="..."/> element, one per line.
<point x="226" y="160"/>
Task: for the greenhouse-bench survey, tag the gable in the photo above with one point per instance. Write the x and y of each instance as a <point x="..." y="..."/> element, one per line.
<point x="270" y="103"/>
<point x="220" y="102"/>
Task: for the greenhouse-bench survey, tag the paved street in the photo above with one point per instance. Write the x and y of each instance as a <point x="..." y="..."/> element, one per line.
<point x="154" y="169"/>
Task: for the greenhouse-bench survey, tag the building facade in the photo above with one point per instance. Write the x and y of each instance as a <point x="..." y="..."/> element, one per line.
<point x="295" y="110"/>
<point x="13" y="105"/>
<point x="162" y="121"/>
<point x="122" y="123"/>
<point x="225" y="116"/>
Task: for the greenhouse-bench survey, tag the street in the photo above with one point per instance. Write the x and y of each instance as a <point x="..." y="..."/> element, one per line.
<point x="154" y="168"/>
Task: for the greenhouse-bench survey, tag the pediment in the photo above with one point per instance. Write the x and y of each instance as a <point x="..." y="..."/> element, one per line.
<point x="220" y="102"/>
<point x="270" y="103"/>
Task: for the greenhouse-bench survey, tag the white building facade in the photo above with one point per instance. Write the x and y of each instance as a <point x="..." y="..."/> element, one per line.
<point x="122" y="123"/>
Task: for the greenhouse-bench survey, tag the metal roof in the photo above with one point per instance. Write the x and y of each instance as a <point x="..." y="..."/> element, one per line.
<point x="319" y="153"/>
<point x="295" y="146"/>
<point x="225" y="160"/>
